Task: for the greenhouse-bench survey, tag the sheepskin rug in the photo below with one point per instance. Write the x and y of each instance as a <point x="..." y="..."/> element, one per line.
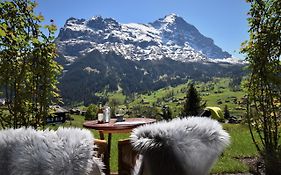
<point x="187" y="146"/>
<point x="67" y="151"/>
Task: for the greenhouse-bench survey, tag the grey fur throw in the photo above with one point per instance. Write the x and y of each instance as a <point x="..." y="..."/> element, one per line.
<point x="186" y="146"/>
<point x="67" y="151"/>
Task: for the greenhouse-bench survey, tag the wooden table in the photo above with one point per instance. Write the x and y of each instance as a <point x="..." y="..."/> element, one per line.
<point x="115" y="127"/>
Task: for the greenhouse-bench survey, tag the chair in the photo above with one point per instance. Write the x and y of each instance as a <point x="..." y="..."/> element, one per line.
<point x="26" y="151"/>
<point x="186" y="146"/>
<point x="101" y="152"/>
<point x="126" y="157"/>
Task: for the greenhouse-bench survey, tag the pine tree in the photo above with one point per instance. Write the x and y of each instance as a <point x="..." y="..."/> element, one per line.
<point x="166" y="113"/>
<point x="192" y="106"/>
<point x="226" y="112"/>
<point x="91" y="113"/>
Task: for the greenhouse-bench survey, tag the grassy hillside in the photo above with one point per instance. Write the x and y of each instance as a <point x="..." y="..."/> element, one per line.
<point x="217" y="92"/>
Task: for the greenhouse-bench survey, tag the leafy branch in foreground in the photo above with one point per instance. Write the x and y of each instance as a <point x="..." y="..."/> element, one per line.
<point x="28" y="70"/>
<point x="263" y="51"/>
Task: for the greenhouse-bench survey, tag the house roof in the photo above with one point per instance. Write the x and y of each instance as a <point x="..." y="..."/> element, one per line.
<point x="58" y="109"/>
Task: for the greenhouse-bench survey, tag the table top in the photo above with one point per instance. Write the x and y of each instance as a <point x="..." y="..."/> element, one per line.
<point x="118" y="127"/>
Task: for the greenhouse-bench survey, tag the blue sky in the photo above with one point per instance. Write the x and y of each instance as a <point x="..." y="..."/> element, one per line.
<point x="225" y="21"/>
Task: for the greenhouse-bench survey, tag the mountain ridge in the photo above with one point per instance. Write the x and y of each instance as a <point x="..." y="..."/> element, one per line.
<point x="100" y="54"/>
<point x="170" y="36"/>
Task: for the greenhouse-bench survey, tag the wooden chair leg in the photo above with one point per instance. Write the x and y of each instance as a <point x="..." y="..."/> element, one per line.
<point x="126" y="157"/>
<point x="102" y="152"/>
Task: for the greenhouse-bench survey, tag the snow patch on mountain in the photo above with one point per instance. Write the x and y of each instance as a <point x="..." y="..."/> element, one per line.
<point x="89" y="70"/>
<point x="170" y="18"/>
<point x="168" y="37"/>
<point x="229" y="60"/>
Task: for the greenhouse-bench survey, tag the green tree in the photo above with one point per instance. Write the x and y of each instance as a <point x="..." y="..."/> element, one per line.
<point x="28" y="70"/>
<point x="114" y="103"/>
<point x="166" y="113"/>
<point x="91" y="112"/>
<point x="192" y="106"/>
<point x="145" y="111"/>
<point x="226" y="112"/>
<point x="263" y="52"/>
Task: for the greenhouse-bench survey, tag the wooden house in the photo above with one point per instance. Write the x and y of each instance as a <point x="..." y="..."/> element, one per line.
<point x="58" y="114"/>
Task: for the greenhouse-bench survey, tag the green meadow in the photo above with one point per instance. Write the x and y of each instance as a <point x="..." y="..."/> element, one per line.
<point x="217" y="92"/>
<point x="241" y="147"/>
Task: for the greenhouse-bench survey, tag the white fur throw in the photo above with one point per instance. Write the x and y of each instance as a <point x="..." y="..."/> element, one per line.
<point x="186" y="146"/>
<point x="67" y="151"/>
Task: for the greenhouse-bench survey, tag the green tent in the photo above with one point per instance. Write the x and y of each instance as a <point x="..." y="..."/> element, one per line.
<point x="216" y="113"/>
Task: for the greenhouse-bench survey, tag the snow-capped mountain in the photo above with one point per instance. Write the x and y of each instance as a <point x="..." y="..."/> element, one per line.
<point x="170" y="37"/>
<point x="101" y="54"/>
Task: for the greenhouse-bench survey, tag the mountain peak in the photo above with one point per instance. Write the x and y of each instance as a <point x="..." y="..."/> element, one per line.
<point x="98" y="17"/>
<point x="72" y="20"/>
<point x="100" y="23"/>
<point x="171" y="18"/>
